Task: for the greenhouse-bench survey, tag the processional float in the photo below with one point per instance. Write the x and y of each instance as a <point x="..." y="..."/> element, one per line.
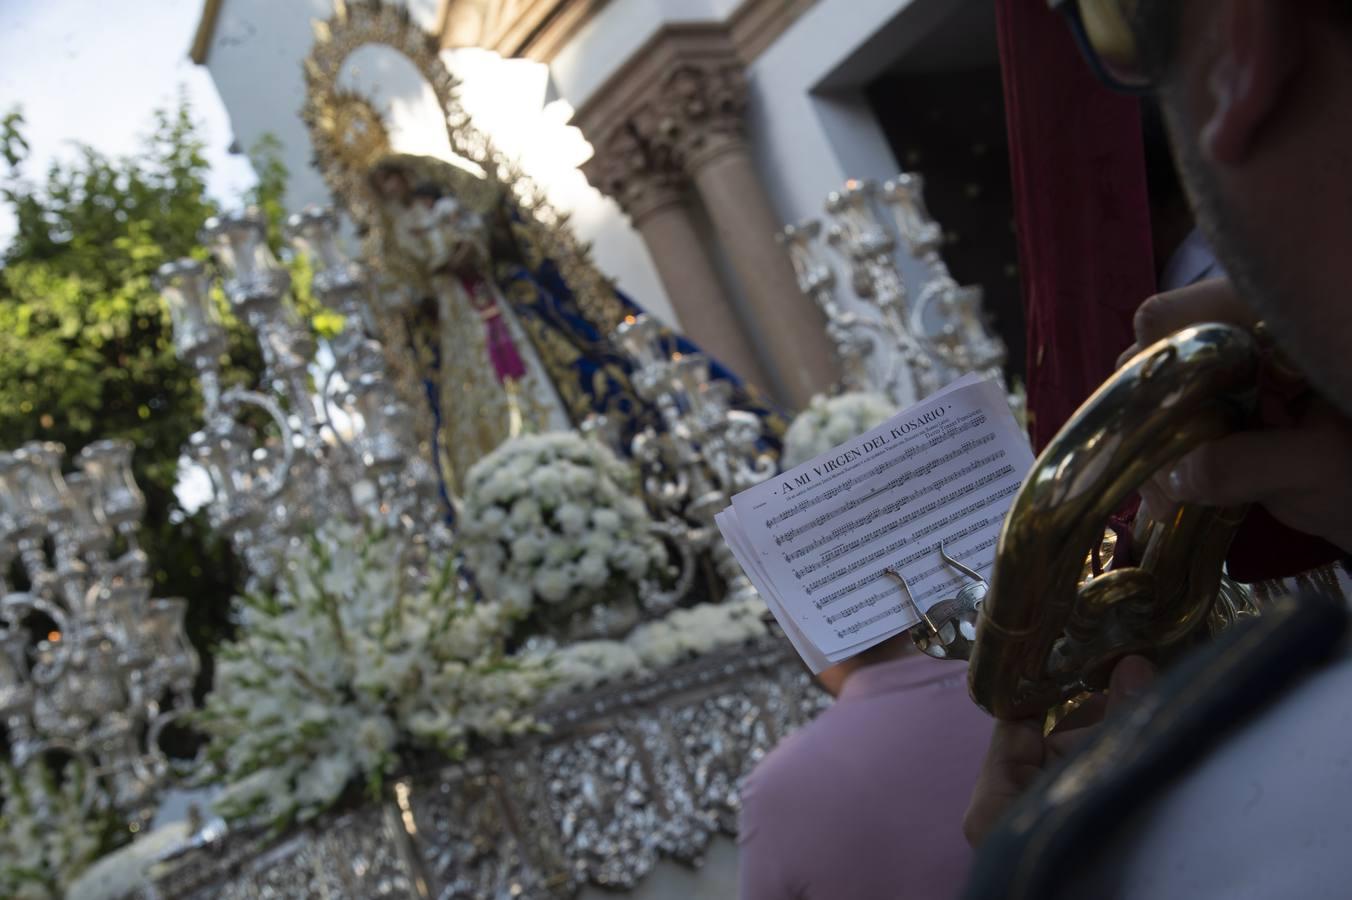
<point x="521" y="332"/>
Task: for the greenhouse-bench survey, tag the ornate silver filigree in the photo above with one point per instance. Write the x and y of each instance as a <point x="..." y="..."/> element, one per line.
<point x="346" y="448"/>
<point x="706" y="452"/>
<point x="465" y="837"/>
<point x="90" y="665"/>
<point x="605" y="807"/>
<point x="627" y="775"/>
<point x="890" y="340"/>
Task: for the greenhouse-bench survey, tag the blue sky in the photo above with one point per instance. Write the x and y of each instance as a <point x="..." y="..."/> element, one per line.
<point x="92" y="71"/>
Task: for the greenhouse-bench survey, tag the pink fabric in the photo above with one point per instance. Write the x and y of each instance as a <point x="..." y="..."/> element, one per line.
<point x="867" y="801"/>
<point x="502" y="350"/>
<point x="502" y="353"/>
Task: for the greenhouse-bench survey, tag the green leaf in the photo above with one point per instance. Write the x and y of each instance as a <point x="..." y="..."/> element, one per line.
<point x="85" y="342"/>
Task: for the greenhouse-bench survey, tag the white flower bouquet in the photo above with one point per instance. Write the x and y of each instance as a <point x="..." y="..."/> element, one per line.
<point x="351" y="663"/>
<point x="829" y="422"/>
<point x="687" y="633"/>
<point x="48" y="836"/>
<point x="551" y="524"/>
<point x="680" y="635"/>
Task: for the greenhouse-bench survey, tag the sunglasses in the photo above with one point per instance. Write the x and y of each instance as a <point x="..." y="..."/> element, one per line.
<point x="1106" y="39"/>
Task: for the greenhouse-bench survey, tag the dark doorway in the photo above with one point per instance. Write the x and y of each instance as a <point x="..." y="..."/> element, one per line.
<point x="942" y="110"/>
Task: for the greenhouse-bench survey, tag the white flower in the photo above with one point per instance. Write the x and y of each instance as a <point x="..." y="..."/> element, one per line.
<point x="632" y="508"/>
<point x="552" y="584"/>
<point x="695" y="631"/>
<point x="490" y="555"/>
<point x="47" y="836"/>
<point x="586" y="664"/>
<point x="827" y="423"/>
<point x="632" y="560"/>
<point x="607" y="520"/>
<point x="571" y="522"/>
<point x="516" y="598"/>
<point x="595" y="542"/>
<point x="592" y="570"/>
<point x="547" y="485"/>
<point x="527" y="549"/>
<point x="492" y="518"/>
<point x="318" y="691"/>
<point x="558" y="550"/>
<point x="572" y="519"/>
<point x="525" y="512"/>
<point x="321" y="782"/>
<point x="373" y="739"/>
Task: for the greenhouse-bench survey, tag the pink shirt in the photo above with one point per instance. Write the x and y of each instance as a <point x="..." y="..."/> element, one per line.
<point x="866" y="802"/>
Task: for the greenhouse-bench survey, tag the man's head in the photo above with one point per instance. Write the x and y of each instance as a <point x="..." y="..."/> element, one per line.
<point x="834" y="677"/>
<point x="1258" y="99"/>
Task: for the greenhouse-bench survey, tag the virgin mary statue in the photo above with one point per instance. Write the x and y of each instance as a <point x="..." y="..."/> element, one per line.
<point x="503" y="340"/>
<point x="442" y="234"/>
<point x="495" y="312"/>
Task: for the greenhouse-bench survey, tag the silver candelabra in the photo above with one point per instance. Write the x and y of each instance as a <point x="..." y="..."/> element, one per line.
<point x="90" y="665"/>
<point x="891" y="340"/>
<point x="337" y="443"/>
<point x="706" y="452"/>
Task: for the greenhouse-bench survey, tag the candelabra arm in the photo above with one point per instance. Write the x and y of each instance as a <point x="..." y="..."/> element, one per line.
<point x="326" y="404"/>
<point x="238" y="396"/>
<point x="687" y="543"/>
<point x="210" y="377"/>
<point x="16" y="606"/>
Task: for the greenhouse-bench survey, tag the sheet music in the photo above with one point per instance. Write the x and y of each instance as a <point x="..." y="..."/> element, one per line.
<point x="816" y="540"/>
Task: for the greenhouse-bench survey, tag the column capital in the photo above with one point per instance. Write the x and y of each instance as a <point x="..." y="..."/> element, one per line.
<point x="703" y="111"/>
<point x="634" y="173"/>
<point x="678" y="102"/>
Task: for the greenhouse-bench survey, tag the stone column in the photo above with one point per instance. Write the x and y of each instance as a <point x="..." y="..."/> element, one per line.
<point x="678" y="104"/>
<point x="702" y="114"/>
<point x="650" y="190"/>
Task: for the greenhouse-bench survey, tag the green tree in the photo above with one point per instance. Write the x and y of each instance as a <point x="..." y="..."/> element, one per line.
<point x="85" y="341"/>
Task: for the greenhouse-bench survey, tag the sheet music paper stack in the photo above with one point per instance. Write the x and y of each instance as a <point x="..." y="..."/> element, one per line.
<point x="817" y="540"/>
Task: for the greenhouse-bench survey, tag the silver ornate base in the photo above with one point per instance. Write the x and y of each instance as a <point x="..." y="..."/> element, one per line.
<point x="625" y="777"/>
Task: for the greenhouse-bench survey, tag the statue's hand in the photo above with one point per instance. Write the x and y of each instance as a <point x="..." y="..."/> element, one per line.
<point x="467" y="256"/>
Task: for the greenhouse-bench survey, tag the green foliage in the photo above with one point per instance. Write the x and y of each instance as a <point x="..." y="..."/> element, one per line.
<point x="85" y="341"/>
<point x="269" y="196"/>
<point x="47" y="835"/>
<point x="12" y="145"/>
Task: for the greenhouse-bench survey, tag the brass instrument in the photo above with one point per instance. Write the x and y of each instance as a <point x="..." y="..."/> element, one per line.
<point x="1043" y="637"/>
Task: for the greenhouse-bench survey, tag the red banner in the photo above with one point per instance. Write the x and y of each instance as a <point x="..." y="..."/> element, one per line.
<point x="1081" y="207"/>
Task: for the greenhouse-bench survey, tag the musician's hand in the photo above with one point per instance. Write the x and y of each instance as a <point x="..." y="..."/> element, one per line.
<point x="1019" y="753"/>
<point x="1300" y="473"/>
<point x="1159" y="316"/>
<point x="1296" y="467"/>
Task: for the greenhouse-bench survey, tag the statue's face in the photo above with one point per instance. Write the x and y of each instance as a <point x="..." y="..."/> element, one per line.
<point x="392" y="185"/>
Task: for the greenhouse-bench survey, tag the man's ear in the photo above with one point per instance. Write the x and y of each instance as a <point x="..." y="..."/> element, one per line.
<point x="1258" y="50"/>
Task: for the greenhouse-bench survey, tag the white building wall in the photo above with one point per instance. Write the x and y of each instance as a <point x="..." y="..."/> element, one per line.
<point x="807" y="140"/>
<point x="810" y="127"/>
<point x="255" y="60"/>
